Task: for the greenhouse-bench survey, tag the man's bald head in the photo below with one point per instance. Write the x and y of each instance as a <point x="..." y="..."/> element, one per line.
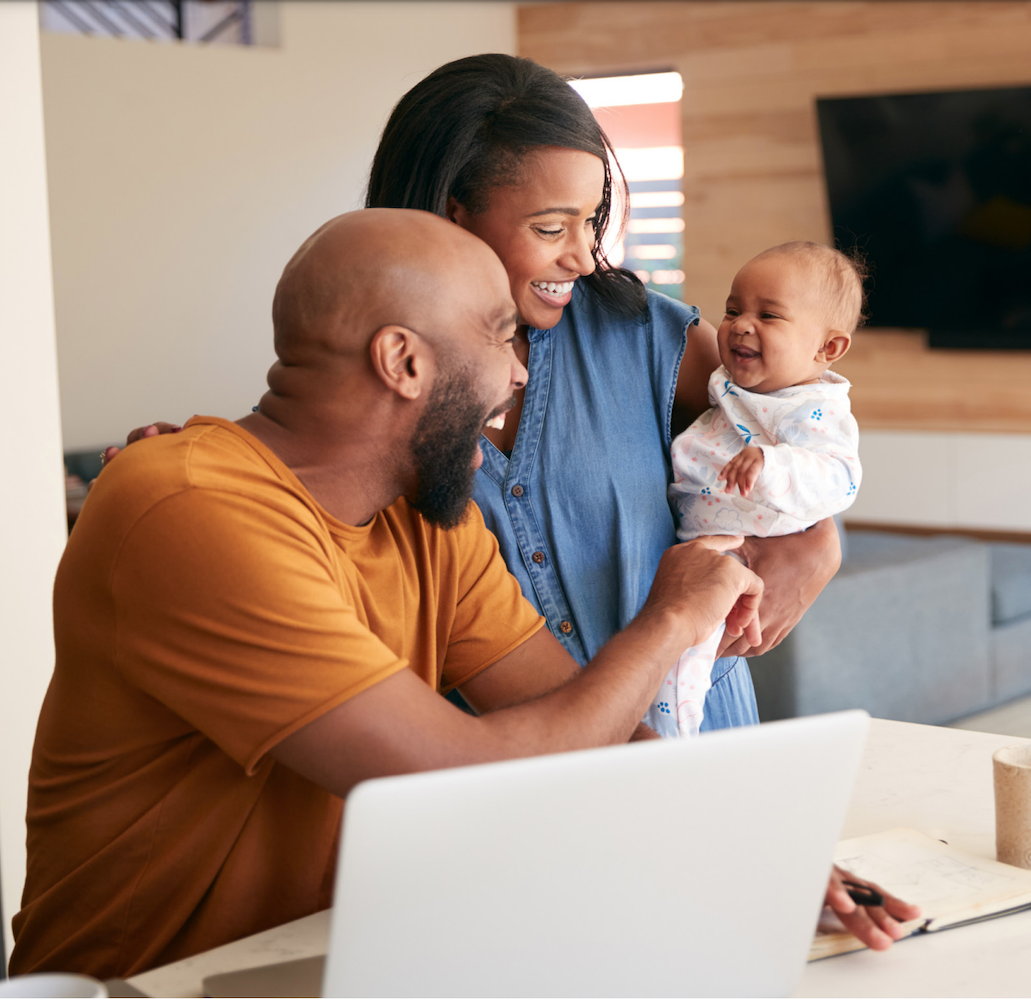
<point x="394" y="332"/>
<point x="377" y="267"/>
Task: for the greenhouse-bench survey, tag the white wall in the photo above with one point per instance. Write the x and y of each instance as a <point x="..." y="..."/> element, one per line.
<point x="32" y="528"/>
<point x="945" y="480"/>
<point x="182" y="178"/>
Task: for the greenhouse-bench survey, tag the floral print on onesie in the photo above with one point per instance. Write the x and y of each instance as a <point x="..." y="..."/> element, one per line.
<point x="810" y="445"/>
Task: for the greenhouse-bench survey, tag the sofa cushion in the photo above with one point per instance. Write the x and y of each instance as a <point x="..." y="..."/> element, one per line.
<point x="85" y="464"/>
<point x="1011" y="582"/>
<point x="902" y="631"/>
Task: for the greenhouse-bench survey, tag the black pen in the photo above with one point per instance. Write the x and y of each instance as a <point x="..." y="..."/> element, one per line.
<point x="863" y="894"/>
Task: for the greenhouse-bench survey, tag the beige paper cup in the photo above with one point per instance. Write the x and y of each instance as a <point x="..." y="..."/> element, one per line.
<point x="1012" y="767"/>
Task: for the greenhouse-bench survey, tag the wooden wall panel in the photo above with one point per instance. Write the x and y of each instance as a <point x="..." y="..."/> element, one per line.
<point x="752" y="167"/>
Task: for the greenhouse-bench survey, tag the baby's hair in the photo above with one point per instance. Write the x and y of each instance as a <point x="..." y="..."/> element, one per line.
<point x="840" y="276"/>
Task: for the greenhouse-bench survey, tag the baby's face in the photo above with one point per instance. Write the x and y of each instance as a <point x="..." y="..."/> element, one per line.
<point x="774" y="327"/>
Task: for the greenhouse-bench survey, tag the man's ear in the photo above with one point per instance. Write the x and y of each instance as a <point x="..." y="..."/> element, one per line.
<point x="835" y="346"/>
<point x="402" y="360"/>
<point x="454" y="212"/>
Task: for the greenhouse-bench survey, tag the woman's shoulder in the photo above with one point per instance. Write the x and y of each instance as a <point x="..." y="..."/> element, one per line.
<point x="659" y="311"/>
<point x="665" y="309"/>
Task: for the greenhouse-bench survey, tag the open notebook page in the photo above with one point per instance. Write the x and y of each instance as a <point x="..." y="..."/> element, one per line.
<point x="949" y="885"/>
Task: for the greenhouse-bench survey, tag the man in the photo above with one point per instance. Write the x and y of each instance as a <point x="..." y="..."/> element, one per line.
<point x="252" y="617"/>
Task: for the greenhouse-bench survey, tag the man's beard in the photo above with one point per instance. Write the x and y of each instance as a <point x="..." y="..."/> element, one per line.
<point x="443" y="448"/>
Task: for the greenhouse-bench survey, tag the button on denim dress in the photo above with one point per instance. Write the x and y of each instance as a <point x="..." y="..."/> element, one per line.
<point x="580" y="509"/>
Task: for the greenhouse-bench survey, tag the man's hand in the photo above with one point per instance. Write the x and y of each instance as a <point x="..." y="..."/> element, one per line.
<point x="703" y="589"/>
<point x="876" y="926"/>
<point x="794" y="569"/>
<point x="742" y="471"/>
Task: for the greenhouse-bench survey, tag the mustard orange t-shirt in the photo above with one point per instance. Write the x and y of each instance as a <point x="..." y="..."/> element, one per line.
<point x="206" y="607"/>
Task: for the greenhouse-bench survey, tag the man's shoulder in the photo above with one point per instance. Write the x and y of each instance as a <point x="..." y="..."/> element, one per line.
<point x="208" y="459"/>
<point x="217" y="452"/>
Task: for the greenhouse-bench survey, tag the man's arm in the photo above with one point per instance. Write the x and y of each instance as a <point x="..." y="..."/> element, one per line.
<point x="539" y="665"/>
<point x="401" y="725"/>
<point x="523" y="675"/>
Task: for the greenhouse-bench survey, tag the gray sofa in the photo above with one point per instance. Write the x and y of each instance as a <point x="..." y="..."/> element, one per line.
<point x="920" y="629"/>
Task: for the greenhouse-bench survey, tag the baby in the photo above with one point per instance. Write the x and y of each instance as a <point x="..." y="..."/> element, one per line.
<point x="778" y="451"/>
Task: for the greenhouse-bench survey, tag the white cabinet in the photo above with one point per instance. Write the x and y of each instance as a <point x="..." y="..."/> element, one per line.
<point x="946" y="480"/>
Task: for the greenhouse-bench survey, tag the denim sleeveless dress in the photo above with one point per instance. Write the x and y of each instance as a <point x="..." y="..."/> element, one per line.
<point x="580" y="509"/>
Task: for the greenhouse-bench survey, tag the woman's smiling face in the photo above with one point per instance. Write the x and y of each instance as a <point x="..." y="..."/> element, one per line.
<point x="542" y="228"/>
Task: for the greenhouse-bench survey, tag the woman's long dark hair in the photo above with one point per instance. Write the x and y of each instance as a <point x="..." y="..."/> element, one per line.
<point x="465" y="129"/>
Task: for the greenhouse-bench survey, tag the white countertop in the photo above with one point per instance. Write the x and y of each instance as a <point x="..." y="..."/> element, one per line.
<point x="936" y="780"/>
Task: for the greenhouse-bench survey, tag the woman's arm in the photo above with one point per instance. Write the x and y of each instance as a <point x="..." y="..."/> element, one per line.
<point x="701" y="359"/>
<point x="794" y="569"/>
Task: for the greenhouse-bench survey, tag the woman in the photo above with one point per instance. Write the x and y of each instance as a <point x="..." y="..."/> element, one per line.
<point x="574" y="485"/>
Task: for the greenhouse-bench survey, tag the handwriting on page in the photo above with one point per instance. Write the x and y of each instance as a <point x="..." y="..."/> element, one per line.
<point x="913" y="869"/>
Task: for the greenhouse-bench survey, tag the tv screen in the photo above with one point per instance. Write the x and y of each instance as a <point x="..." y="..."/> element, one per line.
<point x="936" y="190"/>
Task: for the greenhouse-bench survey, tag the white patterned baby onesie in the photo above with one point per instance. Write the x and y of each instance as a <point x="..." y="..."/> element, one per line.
<point x="810" y="445"/>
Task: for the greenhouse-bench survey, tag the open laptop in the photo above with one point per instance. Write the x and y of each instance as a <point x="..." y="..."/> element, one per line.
<point x="665" y="868"/>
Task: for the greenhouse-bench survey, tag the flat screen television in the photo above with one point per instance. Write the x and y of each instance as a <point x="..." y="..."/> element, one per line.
<point x="935" y="188"/>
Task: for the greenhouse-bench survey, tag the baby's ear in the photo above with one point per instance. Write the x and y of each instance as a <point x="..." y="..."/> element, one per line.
<point x="834" y="347"/>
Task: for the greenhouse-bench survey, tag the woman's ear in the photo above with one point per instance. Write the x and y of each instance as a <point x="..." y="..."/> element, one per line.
<point x="834" y="347"/>
<point x="402" y="360"/>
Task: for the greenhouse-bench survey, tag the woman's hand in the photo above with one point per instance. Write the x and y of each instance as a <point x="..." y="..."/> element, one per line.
<point x="137" y="434"/>
<point x="876" y="926"/>
<point x="794" y="568"/>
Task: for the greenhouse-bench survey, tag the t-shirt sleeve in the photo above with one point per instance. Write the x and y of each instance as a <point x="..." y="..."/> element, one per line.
<point x="235" y="617"/>
<point x="492" y="617"/>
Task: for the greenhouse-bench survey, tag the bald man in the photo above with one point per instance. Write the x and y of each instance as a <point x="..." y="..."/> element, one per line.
<point x="251" y="617"/>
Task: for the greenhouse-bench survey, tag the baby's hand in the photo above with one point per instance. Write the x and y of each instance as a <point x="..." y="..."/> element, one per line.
<point x="743" y="470"/>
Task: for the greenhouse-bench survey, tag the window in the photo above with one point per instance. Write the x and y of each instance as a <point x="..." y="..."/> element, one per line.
<point x="222" y="22"/>
<point x="641" y="116"/>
